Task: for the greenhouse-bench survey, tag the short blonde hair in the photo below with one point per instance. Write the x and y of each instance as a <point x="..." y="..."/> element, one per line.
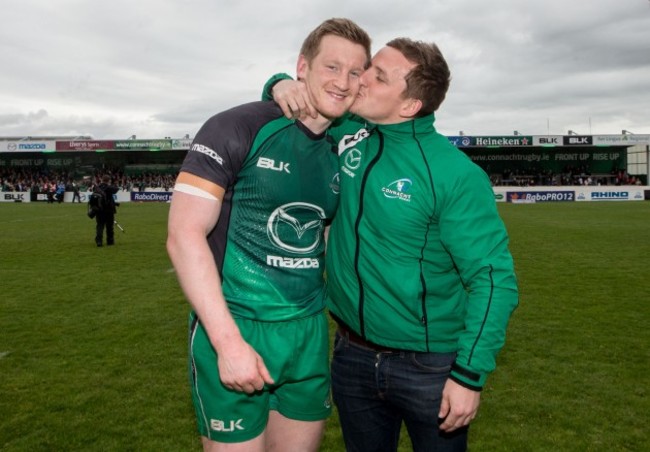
<point x="344" y="28"/>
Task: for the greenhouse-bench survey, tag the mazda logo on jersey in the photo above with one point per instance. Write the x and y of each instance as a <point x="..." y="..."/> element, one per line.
<point x="296" y="227"/>
<point x="353" y="159"/>
<point x="335" y="184"/>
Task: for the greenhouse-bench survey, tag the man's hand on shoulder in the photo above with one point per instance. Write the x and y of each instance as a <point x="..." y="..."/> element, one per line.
<point x="293" y="99"/>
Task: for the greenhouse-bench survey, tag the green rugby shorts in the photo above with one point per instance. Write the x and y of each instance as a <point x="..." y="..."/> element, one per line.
<point x="295" y="352"/>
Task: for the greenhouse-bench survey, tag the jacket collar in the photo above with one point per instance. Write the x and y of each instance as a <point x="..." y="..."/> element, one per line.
<point x="414" y="126"/>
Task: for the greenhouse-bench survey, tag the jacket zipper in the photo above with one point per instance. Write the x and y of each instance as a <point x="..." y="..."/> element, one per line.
<point x="423" y="304"/>
<point x="364" y="180"/>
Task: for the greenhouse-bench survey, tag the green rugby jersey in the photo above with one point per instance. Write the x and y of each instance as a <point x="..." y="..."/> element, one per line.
<point x="281" y="183"/>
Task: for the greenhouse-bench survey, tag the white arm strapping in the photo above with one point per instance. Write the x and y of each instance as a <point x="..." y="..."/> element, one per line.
<point x="196" y="191"/>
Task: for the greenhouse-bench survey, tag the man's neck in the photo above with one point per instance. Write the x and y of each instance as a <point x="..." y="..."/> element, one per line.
<point x="318" y="125"/>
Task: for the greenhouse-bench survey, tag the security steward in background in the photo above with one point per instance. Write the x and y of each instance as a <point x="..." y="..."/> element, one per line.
<point x="105" y="218"/>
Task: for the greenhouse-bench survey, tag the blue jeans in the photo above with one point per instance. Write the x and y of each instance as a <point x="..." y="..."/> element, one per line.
<point x="375" y="392"/>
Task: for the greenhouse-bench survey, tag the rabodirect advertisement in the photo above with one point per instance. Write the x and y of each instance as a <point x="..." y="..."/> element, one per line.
<point x="151" y="196"/>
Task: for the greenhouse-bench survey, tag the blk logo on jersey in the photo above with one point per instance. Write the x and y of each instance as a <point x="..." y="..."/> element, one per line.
<point x="398" y="189"/>
<point x="349" y="141"/>
<point x="263" y="162"/>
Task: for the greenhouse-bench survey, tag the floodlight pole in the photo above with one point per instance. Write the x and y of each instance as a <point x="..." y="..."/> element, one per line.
<point x="647" y="164"/>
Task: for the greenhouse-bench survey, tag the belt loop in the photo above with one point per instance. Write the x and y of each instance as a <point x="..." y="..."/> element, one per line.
<point x="345" y="334"/>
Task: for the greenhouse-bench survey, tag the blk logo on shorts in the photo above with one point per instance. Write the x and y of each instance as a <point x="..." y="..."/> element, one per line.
<point x="220" y="426"/>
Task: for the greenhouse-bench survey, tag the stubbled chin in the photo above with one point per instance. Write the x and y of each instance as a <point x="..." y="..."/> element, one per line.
<point x="334" y="111"/>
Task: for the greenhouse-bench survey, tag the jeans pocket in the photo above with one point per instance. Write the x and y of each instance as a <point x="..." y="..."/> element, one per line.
<point x="433" y="362"/>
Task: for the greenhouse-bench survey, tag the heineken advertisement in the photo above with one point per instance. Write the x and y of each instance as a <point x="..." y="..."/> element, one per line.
<point x="503" y="141"/>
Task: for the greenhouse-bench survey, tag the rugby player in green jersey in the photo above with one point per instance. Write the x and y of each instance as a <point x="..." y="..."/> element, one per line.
<point x="246" y="238"/>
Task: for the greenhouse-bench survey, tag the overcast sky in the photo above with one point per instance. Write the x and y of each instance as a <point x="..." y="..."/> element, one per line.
<point x="160" y="68"/>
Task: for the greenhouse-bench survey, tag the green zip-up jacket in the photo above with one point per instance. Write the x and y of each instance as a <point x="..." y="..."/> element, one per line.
<point x="418" y="257"/>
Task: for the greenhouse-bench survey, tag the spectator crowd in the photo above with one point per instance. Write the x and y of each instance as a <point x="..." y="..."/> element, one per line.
<point x="570" y="175"/>
<point x="45" y="181"/>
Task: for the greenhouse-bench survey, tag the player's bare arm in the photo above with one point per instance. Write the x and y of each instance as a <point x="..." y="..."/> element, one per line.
<point x="191" y="218"/>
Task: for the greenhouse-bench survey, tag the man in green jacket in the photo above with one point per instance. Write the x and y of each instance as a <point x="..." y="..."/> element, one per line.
<point x="420" y="279"/>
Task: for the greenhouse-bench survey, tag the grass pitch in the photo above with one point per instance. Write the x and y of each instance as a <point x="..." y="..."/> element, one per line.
<point x="93" y="340"/>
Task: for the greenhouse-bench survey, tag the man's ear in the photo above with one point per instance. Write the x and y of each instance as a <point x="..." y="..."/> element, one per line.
<point x="301" y="67"/>
<point x="410" y="107"/>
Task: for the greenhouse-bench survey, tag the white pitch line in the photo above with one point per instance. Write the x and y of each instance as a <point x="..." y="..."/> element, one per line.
<point x="3" y="354"/>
